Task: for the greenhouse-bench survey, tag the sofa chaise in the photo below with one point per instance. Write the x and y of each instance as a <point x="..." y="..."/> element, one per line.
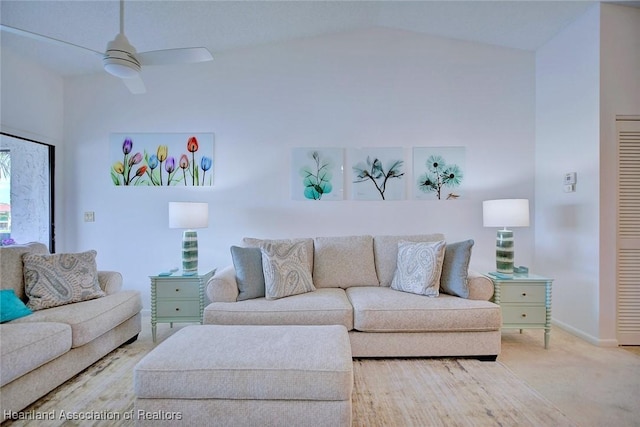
<point x="44" y="349"/>
<point x="353" y="285"/>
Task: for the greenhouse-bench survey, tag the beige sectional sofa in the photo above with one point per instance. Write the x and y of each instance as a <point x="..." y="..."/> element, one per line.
<point x="352" y="277"/>
<point x="46" y="348"/>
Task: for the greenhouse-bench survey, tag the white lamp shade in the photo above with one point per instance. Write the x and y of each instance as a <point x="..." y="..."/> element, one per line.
<point x="505" y="213"/>
<point x="188" y="215"/>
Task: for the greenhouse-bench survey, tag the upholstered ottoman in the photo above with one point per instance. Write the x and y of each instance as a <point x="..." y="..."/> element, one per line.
<point x="240" y="375"/>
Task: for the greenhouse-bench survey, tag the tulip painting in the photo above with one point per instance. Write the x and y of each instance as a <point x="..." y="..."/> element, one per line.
<point x="205" y="164"/>
<point x="184" y="165"/>
<point x="166" y="160"/>
<point x="192" y="147"/>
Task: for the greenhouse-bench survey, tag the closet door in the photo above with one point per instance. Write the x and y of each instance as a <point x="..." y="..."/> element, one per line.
<point x="628" y="256"/>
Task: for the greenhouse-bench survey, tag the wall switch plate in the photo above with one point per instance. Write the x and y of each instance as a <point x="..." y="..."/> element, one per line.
<point x="569" y="184"/>
<point x="89" y="217"/>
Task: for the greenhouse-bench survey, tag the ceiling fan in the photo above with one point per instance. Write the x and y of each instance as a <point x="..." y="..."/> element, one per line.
<point x="121" y="59"/>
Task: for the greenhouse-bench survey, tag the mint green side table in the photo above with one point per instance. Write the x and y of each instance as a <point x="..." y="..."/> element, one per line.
<point x="178" y="298"/>
<point x="525" y="301"/>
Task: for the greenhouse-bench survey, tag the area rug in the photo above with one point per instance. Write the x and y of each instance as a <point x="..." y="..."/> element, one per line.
<point x="446" y="392"/>
<point x="387" y="392"/>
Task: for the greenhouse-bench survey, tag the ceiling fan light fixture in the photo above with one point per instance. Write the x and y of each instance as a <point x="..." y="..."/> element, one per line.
<point x="120" y="58"/>
<point x="120" y="68"/>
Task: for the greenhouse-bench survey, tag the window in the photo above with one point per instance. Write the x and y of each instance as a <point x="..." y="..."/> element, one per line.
<point x="5" y="195"/>
<point x="26" y="191"/>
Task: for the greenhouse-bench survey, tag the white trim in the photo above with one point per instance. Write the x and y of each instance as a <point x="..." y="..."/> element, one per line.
<point x="29" y="135"/>
<point x="583" y="335"/>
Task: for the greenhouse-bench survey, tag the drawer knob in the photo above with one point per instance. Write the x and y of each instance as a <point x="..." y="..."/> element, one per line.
<point x="524" y="314"/>
<point x="177" y="309"/>
<point x="524" y="294"/>
<point x="177" y="290"/>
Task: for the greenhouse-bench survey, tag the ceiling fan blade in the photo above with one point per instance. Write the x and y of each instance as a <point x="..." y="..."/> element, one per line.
<point x="186" y="55"/>
<point x="45" y="39"/>
<point x="135" y="85"/>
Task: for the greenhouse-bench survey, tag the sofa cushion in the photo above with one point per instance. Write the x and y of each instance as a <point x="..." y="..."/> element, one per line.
<point x="12" y="268"/>
<point x="27" y="346"/>
<point x="455" y="269"/>
<point x="58" y="279"/>
<point x="285" y="271"/>
<point x="419" y="267"/>
<point x="321" y="307"/>
<point x="90" y="319"/>
<point x="247" y="263"/>
<point x="11" y="307"/>
<point x="259" y="243"/>
<point x="385" y="249"/>
<point x="381" y="309"/>
<point x="343" y="262"/>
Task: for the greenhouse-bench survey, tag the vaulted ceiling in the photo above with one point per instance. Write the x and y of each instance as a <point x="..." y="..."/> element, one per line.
<point x="224" y="25"/>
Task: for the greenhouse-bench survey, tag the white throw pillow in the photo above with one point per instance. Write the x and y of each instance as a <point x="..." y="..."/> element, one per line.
<point x="419" y="267"/>
<point x="286" y="270"/>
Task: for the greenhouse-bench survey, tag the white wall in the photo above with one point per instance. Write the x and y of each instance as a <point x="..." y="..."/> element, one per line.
<point x="620" y="95"/>
<point x="585" y="76"/>
<point x="32" y="100"/>
<point x="567" y="224"/>
<point x="376" y="87"/>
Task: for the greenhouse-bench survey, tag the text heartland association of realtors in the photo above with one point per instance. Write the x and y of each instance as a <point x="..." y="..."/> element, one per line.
<point x="92" y="415"/>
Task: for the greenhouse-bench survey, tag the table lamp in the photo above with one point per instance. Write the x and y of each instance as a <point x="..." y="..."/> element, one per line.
<point x="505" y="213"/>
<point x="189" y="215"/>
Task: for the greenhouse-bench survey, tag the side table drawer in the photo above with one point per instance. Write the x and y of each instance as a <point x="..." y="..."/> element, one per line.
<point x="523" y="314"/>
<point x="522" y="293"/>
<point x="178" y="309"/>
<point x="177" y="290"/>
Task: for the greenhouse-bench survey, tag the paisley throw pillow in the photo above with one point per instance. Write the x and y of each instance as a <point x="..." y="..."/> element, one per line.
<point x="59" y="279"/>
<point x="419" y="267"/>
<point x="286" y="270"/>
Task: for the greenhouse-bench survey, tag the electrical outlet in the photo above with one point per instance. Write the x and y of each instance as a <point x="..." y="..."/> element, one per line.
<point x="89" y="217"/>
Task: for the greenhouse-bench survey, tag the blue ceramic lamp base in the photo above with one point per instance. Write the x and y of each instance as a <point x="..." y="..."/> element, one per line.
<point x="189" y="253"/>
<point x="504" y="251"/>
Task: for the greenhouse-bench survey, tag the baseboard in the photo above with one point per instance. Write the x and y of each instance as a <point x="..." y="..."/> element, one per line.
<point x="585" y="336"/>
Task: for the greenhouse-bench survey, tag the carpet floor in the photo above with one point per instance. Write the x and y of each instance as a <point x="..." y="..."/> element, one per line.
<point x="387" y="392"/>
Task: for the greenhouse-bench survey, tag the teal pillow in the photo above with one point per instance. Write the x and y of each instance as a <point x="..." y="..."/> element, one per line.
<point x="455" y="269"/>
<point x="248" y="265"/>
<point x="11" y="307"/>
